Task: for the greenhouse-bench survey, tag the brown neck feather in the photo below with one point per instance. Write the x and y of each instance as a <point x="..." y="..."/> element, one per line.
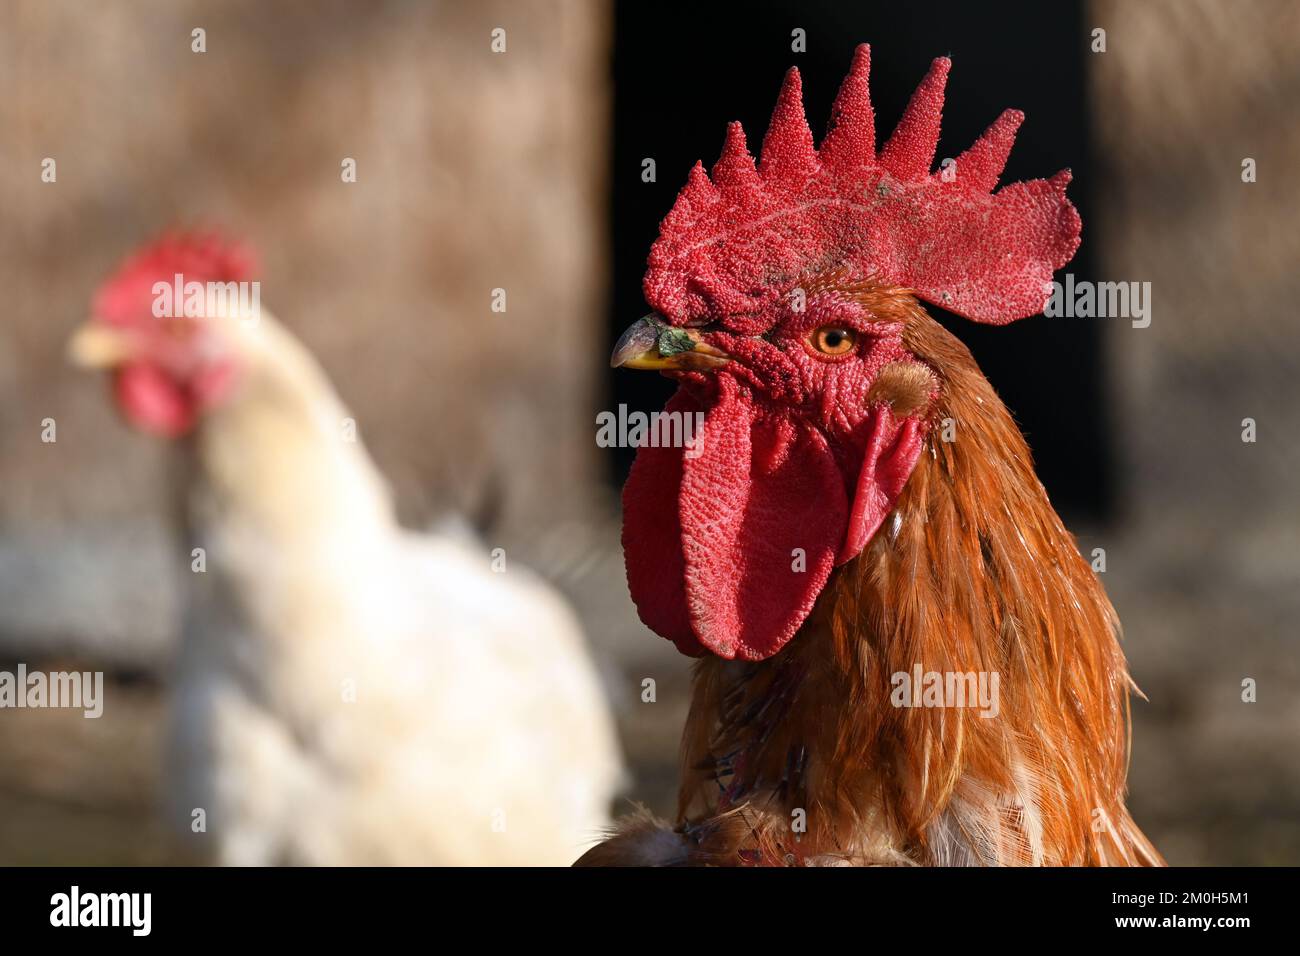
<point x="973" y="572"/>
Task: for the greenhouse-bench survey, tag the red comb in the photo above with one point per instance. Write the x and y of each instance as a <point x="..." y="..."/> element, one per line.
<point x="199" y="257"/>
<point x="733" y="244"/>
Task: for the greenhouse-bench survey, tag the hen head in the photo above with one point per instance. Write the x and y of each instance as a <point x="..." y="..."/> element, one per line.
<point x="169" y="358"/>
<point x="782" y="295"/>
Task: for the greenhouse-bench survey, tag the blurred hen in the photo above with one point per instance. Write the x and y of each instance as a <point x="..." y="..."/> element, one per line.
<point x="346" y="692"/>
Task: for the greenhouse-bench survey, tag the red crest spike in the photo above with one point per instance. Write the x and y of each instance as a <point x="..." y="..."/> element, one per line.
<point x="734" y="171"/>
<point x="699" y="190"/>
<point x="909" y="154"/>
<point x="788" y="154"/>
<point x="851" y="134"/>
<point x="980" y="166"/>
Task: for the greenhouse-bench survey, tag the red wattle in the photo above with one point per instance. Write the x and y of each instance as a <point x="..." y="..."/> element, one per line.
<point x="735" y="563"/>
<point x="891" y="454"/>
<point x="652" y="538"/>
<point x="153" y="401"/>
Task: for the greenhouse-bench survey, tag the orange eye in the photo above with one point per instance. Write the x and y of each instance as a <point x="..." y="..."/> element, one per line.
<point x="833" y="340"/>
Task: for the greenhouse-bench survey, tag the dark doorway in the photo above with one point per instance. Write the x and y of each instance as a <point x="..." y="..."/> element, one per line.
<point x="681" y="73"/>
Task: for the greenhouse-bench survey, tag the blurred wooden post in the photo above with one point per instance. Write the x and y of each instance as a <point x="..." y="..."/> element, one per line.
<point x="1206" y="578"/>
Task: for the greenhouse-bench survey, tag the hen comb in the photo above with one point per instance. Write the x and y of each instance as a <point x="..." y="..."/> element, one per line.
<point x="128" y="296"/>
<point x="735" y="243"/>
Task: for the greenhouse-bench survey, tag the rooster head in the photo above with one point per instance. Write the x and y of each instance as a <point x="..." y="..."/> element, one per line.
<point x="782" y="292"/>
<point x="168" y="362"/>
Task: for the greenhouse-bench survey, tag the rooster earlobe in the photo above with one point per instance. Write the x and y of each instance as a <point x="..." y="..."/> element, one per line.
<point x="892" y="451"/>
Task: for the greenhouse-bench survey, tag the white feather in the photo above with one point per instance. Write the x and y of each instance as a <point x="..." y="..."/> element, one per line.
<point x="352" y="693"/>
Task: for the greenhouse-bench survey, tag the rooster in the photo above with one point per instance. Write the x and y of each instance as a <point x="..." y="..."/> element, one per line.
<point x="347" y="692"/>
<point x="856" y="545"/>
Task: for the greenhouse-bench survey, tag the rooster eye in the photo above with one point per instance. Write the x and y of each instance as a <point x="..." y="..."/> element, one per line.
<point x="833" y="340"/>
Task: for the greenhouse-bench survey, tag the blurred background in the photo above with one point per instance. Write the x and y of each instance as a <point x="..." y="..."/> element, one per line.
<point x="522" y="170"/>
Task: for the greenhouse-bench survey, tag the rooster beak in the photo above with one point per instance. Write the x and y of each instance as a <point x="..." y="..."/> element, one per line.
<point x="94" y="345"/>
<point x="651" y="343"/>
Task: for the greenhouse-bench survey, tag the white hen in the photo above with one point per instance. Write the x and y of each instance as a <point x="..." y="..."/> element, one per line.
<point x="347" y="692"/>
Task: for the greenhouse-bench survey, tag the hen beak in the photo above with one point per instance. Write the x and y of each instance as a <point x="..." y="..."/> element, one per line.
<point x="94" y="345"/>
<point x="651" y="343"/>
